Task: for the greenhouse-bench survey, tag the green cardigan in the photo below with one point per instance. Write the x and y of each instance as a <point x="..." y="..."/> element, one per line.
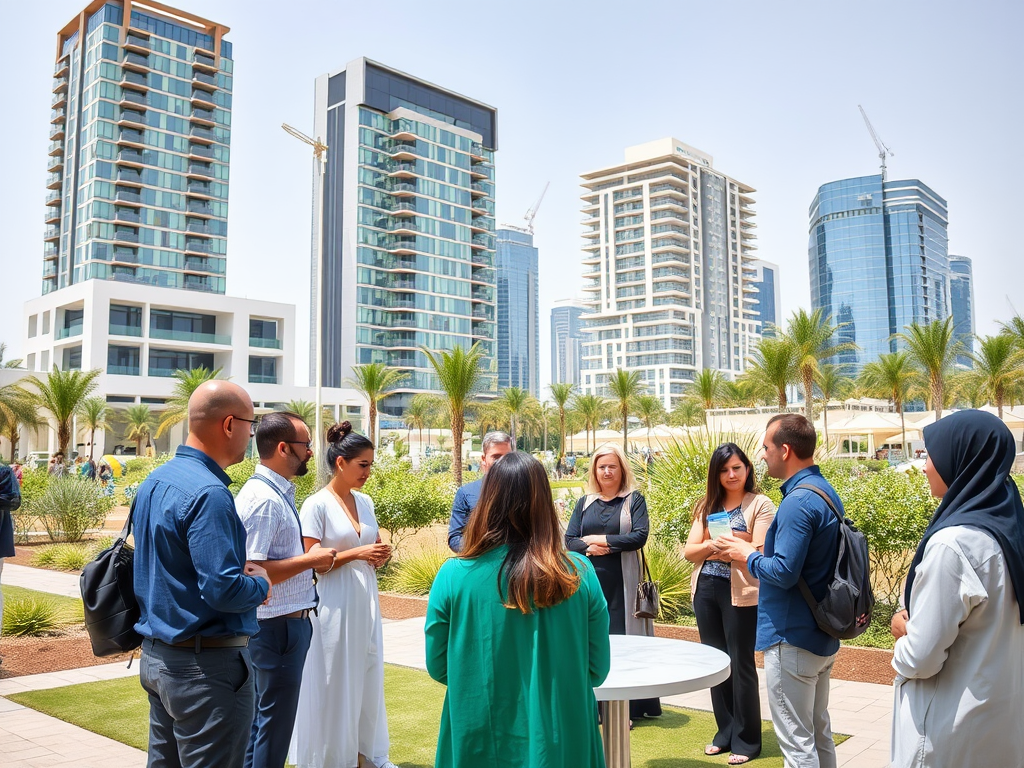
<point x="520" y="686"/>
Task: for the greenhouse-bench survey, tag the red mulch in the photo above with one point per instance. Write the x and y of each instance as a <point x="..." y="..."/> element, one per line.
<point x="32" y="655"/>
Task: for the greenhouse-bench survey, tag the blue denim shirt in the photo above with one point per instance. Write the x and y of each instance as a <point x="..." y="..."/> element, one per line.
<point x="465" y="501"/>
<point x="190" y="552"/>
<point x="803" y="540"/>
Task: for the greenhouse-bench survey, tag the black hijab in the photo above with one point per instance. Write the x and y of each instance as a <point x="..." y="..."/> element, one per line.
<point x="973" y="452"/>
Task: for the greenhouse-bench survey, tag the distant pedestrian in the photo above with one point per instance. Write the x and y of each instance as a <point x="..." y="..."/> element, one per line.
<point x="57" y="466"/>
<point x="18" y="472"/>
<point x="196" y="593"/>
<point x="266" y="506"/>
<point x="802" y="542"/>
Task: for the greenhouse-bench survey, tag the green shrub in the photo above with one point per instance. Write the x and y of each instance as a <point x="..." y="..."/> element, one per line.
<point x="24" y="523"/>
<point x="401" y="448"/>
<point x="407" y="501"/>
<point x="64" y="557"/>
<point x="414" y="574"/>
<point x="98" y="545"/>
<point x="140" y="465"/>
<point x="1019" y="480"/>
<point x="582" y="466"/>
<point x="672" y="574"/>
<point x="34" y="483"/>
<point x="437" y="464"/>
<point x="28" y="616"/>
<point x="69" y="507"/>
<point x="242" y="471"/>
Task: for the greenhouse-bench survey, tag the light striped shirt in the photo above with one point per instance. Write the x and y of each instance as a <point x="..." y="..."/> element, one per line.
<point x="273" y="533"/>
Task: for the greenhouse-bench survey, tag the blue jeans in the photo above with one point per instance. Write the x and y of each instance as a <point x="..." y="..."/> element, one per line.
<point x="200" y="705"/>
<point x="278" y="655"/>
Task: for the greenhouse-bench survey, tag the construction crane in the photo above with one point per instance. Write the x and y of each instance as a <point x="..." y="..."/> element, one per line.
<point x="882" y="149"/>
<point x="532" y="213"/>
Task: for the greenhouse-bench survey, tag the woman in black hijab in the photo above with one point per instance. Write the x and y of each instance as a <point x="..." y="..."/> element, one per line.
<point x="959" y="654"/>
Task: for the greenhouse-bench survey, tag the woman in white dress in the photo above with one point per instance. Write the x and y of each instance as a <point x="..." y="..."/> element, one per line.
<point x="959" y="654"/>
<point x="341" y="722"/>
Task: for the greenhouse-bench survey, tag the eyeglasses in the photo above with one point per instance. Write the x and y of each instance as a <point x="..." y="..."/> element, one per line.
<point x="253" y="423"/>
<point x="308" y="444"/>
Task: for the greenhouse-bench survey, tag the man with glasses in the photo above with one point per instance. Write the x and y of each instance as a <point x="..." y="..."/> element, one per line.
<point x="266" y="506"/>
<point x="197" y="594"/>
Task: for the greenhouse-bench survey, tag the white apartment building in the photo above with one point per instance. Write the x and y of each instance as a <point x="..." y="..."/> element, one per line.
<point x="138" y="335"/>
<point x="669" y="243"/>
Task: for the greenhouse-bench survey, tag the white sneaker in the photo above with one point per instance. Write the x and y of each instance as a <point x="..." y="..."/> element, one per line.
<point x="387" y="764"/>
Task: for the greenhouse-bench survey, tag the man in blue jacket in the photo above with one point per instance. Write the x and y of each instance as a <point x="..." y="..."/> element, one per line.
<point x="802" y="542"/>
<point x="495" y="445"/>
<point x="10" y="500"/>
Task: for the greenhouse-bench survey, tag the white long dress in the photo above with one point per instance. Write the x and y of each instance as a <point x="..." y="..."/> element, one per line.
<point x="341" y="701"/>
<point x="960" y="668"/>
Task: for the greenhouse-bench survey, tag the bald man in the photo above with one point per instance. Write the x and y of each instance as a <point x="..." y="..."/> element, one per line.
<point x="197" y="594"/>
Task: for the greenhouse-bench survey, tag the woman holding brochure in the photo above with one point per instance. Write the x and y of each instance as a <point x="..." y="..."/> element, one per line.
<point x="725" y="595"/>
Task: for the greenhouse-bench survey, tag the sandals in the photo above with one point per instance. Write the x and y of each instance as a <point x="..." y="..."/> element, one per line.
<point x="734" y="759"/>
<point x="711" y="749"/>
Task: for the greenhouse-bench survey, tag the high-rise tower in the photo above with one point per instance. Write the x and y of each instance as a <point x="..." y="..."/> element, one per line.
<point x="567" y="338"/>
<point x="518" y="311"/>
<point x="961" y="291"/>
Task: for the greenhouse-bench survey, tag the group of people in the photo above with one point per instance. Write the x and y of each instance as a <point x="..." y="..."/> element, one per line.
<point x="262" y="626"/>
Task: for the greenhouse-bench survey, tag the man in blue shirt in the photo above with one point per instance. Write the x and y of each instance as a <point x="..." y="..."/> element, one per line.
<point x="10" y="500"/>
<point x="802" y="542"/>
<point x="495" y="445"/>
<point x="196" y="593"/>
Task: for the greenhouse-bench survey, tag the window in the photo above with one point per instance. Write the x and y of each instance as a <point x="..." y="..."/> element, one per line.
<point x="164" y="362"/>
<point x="262" y="370"/>
<point x="46" y="326"/>
<point x="123" y="361"/>
<point x="32" y="322"/>
<point x="126" y="321"/>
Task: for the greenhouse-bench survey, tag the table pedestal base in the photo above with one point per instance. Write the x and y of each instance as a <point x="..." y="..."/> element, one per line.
<point x="615" y="733"/>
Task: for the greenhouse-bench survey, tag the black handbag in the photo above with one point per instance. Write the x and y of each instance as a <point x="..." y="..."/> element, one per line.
<point x="648" y="601"/>
<point x="108" y="596"/>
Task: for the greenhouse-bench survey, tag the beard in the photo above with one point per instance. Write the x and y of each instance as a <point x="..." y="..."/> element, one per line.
<point x="302" y="469"/>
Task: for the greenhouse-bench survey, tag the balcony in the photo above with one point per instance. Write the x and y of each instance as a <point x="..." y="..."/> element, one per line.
<point x="200" y="115"/>
<point x="198" y="228"/>
<point x="74" y="329"/>
<point x="131" y="97"/>
<point x="60" y="84"/>
<point x="134" y="80"/>
<point x="58" y="116"/>
<point x="136" y="44"/>
<point x="198" y="189"/>
<point x="127" y="216"/>
<point x="59" y="99"/>
<point x="135" y="61"/>
<point x="402" y="245"/>
<point x="123" y="370"/>
<point x="53" y="198"/>
<point x="483" y="260"/>
<point x="51" y="233"/>
<point x="481" y="188"/>
<point x="402" y="169"/>
<point x="483" y="294"/>
<point x="54" y="180"/>
<point x="50" y="251"/>
<point x="199" y="150"/>
<point x="124" y="256"/>
<point x="199" y="133"/>
<point x="198" y="284"/>
<point x="203" y="60"/>
<point x="56" y="163"/>
<point x="131" y="136"/>
<point x="197" y="264"/>
<point x="200" y="170"/>
<point x="189" y="336"/>
<point x="484" y="313"/>
<point x="129" y="117"/>
<point x="265" y="343"/>
<point x="259" y="378"/>
<point x="482" y="275"/>
<point x="203" y="99"/>
<point x="480" y="172"/>
<point x="129" y="157"/>
<point x="483" y="241"/>
<point x="402" y="151"/>
<point x="51" y="216"/>
<point x="126" y="236"/>
<point x="127" y="196"/>
<point x="57" y="132"/>
<point x="195" y="208"/>
<point x="201" y="247"/>
<point x="60" y="69"/>
<point x="125" y="330"/>
<point x="201" y="79"/>
<point x="55" y="148"/>
<point x="477" y="151"/>
<point x="50" y="270"/>
<point x="403" y="227"/>
<point x="401" y="190"/>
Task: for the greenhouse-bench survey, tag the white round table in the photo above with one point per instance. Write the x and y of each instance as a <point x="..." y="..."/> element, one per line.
<point x="647" y="667"/>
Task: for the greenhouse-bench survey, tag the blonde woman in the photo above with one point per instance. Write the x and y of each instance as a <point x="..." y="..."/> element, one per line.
<point x="609" y="525"/>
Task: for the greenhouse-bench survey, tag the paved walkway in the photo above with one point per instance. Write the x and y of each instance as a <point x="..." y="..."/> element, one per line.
<point x="29" y="739"/>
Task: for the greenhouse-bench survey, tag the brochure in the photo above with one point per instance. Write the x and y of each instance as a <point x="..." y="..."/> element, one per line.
<point x="719" y="524"/>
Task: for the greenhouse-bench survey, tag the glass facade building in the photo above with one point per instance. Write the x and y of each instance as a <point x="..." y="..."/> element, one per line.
<point x="667" y="260"/>
<point x="138" y="158"/>
<point x="961" y="291"/>
<point x="879" y="260"/>
<point x="518" y="329"/>
<point x="406" y="227"/>
<point x="769" y="295"/>
<point x="566" y="342"/>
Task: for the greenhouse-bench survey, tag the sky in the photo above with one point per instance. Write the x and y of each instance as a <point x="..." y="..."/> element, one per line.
<point x="770" y="90"/>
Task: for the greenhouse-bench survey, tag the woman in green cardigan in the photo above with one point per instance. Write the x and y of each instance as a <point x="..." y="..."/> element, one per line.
<point x="525" y="625"/>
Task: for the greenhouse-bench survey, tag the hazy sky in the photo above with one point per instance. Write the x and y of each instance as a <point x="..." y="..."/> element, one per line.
<point x="769" y="89"/>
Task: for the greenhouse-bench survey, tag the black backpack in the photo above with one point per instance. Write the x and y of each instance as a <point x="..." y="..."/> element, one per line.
<point x="108" y="596"/>
<point x="845" y="611"/>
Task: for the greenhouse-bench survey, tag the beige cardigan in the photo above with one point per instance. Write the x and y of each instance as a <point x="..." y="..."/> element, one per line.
<point x="758" y="513"/>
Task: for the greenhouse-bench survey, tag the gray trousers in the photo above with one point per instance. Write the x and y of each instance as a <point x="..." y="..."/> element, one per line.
<point x="798" y="687"/>
<point x="200" y="705"/>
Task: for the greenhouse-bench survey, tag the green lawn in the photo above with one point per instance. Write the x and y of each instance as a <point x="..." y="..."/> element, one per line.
<point x="71" y="606"/>
<point x="119" y="709"/>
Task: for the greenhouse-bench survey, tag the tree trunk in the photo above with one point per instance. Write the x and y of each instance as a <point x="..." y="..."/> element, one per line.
<point x="92" y="442"/>
<point x="783" y="402"/>
<point x="63" y="438"/>
<point x="808" y="377"/>
<point x="512" y="426"/>
<point x="561" y="434"/>
<point x="937" y="395"/>
<point x="458" y="422"/>
<point x="373" y="422"/>
<point x="138" y="446"/>
<point x="999" y="401"/>
<point x="903" y="429"/>
<point x="625" y="430"/>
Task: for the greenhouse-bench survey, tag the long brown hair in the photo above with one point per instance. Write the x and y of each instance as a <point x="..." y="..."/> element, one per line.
<point x="515" y="509"/>
<point x="715" y="497"/>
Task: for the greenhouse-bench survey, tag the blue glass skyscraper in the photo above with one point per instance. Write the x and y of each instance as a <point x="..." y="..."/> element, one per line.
<point x="879" y="260"/>
<point x="961" y="289"/>
<point x="518" y="311"/>
<point x="769" y="295"/>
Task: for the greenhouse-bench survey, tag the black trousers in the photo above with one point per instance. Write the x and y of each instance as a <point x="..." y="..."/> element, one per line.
<point x="736" y="702"/>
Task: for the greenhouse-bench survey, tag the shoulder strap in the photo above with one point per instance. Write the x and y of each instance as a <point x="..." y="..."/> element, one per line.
<point x="804" y="589"/>
<point x="127" y="530"/>
<point x="824" y="496"/>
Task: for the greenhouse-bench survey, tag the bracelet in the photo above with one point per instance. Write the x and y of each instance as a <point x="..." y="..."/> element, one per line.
<point x="329" y="569"/>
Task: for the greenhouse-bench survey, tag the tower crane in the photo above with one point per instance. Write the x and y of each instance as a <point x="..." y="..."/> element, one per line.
<point x="532" y="213"/>
<point x="882" y="148"/>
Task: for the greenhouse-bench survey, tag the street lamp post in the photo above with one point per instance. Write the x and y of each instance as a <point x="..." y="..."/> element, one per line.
<point x="320" y="156"/>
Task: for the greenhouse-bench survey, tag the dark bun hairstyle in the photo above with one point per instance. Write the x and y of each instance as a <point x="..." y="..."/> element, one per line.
<point x="343" y="443"/>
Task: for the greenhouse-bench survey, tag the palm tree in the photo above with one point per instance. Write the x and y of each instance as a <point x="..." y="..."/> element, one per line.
<point x="573" y="422"/>
<point x="17" y="407"/>
<point x="891" y="377"/>
<point x="687" y="413"/>
<point x="773" y="365"/>
<point x="707" y="388"/>
<point x="62" y="393"/>
<point x="1014" y="329"/>
<point x="968" y="388"/>
<point x="999" y="365"/>
<point x="94" y="413"/>
<point x="625" y="387"/>
<point x="649" y="408"/>
<point x="514" y="401"/>
<point x="458" y="374"/>
<point x="561" y="393"/>
<point x="832" y="382"/>
<point x="139" y="426"/>
<point x="811" y="337"/>
<point x="8" y="363"/>
<point x="417" y="414"/>
<point x="186" y="382"/>
<point x="374" y="382"/>
<point x="934" y="348"/>
<point x="590" y="409"/>
<point x="305" y="410"/>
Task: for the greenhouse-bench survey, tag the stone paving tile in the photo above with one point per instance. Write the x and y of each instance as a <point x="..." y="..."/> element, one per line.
<point x="67" y="677"/>
<point x="30" y="739"/>
<point x="42" y="580"/>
